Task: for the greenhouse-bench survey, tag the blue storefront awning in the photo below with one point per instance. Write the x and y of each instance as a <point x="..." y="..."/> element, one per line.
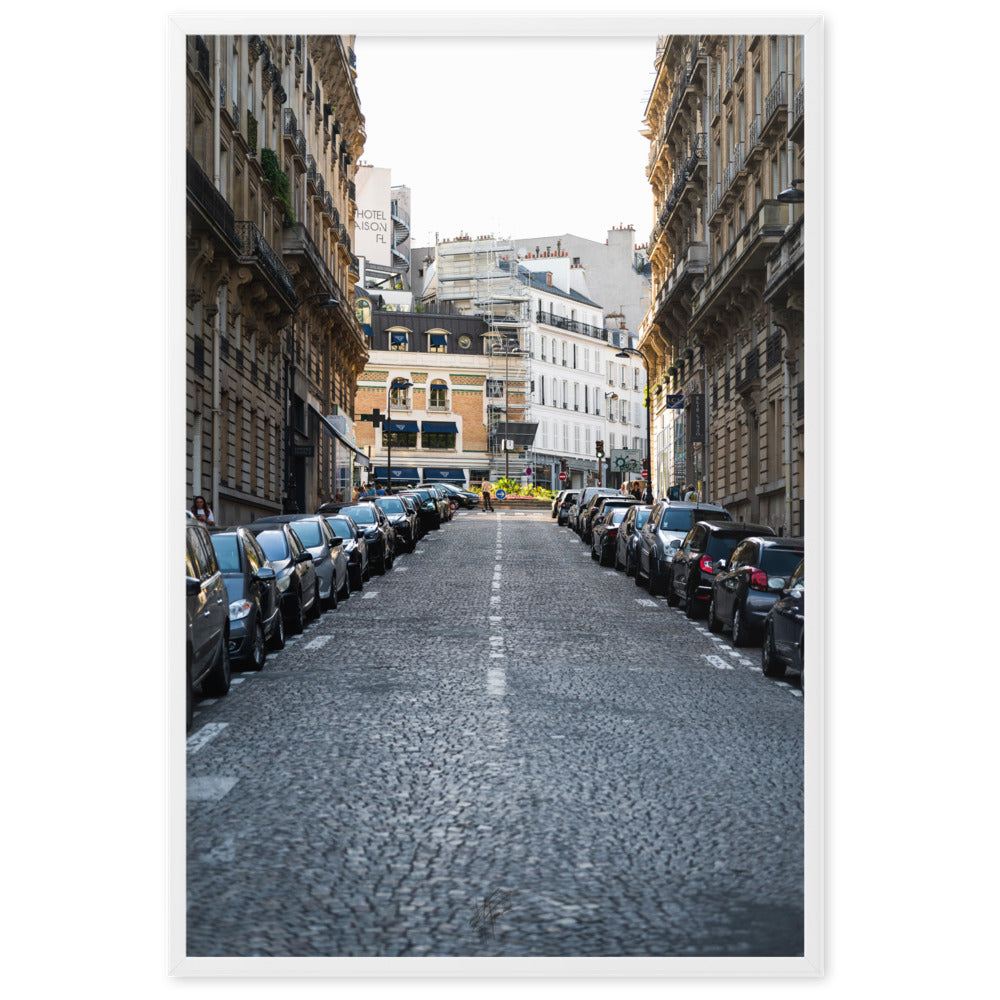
<point x="444" y="476"/>
<point x="439" y="427"/>
<point x="400" y="474"/>
<point x="403" y="426"/>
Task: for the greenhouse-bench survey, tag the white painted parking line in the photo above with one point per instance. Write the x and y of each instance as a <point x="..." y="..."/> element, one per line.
<point x="208" y="789"/>
<point x="496" y="584"/>
<point x="401" y="569"/>
<point x="318" y="642"/>
<point x="717" y="662"/>
<point x="369" y="595"/>
<point x="645" y="602"/>
<point x="237" y="680"/>
<point x="204" y="736"/>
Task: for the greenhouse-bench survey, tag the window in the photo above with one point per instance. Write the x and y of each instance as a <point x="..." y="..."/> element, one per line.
<point x="437" y="343"/>
<point x="400" y="397"/>
<point x="543" y="349"/>
<point x="399" y="340"/>
<point x="439" y="441"/>
<point x="400" y="439"/>
<point x="439" y="395"/>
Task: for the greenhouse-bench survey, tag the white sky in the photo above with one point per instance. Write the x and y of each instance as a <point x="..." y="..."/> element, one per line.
<point x="511" y="136"/>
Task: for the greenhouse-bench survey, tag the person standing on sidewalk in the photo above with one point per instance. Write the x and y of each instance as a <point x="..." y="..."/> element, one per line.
<point x="487" y="490"/>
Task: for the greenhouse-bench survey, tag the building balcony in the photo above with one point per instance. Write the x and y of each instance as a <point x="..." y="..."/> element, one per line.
<point x="785" y="263"/>
<point x="776" y="107"/>
<point x="210" y="202"/>
<point x="693" y="263"/>
<point x="298" y="243"/>
<point x="255" y="250"/>
<point x="796" y="122"/>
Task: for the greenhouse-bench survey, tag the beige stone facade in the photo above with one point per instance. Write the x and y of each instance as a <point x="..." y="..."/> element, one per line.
<point x="724" y="333"/>
<point x="274" y="129"/>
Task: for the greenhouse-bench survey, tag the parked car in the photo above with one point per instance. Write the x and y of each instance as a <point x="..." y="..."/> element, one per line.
<point x="783" y="643"/>
<point x="692" y="571"/>
<point x="628" y="537"/>
<point x="208" y="664"/>
<point x="374" y="525"/>
<point x="746" y="587"/>
<point x="412" y="504"/>
<point x="430" y="512"/>
<point x="587" y="503"/>
<point x="292" y="562"/>
<point x="326" y="548"/>
<point x="463" y="497"/>
<point x="355" y="548"/>
<point x="255" y="621"/>
<point x="556" y="501"/>
<point x="403" y="522"/>
<point x="661" y="535"/>
<point x="569" y="497"/>
<point x="443" y="501"/>
<point x="604" y="532"/>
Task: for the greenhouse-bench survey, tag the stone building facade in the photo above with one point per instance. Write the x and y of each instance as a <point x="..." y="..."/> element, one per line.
<point x="438" y="422"/>
<point x="273" y="131"/>
<point x="724" y="333"/>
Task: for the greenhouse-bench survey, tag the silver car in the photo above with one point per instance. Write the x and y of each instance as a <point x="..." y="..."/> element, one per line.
<point x="329" y="557"/>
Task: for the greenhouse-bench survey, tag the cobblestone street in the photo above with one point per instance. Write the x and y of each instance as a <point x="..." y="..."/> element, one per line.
<point x="499" y="748"/>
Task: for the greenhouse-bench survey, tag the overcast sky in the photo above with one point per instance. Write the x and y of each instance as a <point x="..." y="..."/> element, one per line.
<point x="511" y="136"/>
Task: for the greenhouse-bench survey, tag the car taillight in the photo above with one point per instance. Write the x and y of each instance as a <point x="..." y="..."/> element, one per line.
<point x="706" y="564"/>
<point x="758" y="579"/>
<point x="612" y="532"/>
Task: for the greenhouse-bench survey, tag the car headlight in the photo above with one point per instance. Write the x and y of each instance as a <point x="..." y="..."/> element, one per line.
<point x="668" y="554"/>
<point x="238" y="610"/>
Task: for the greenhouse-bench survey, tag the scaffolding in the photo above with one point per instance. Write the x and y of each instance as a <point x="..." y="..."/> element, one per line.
<point x="479" y="276"/>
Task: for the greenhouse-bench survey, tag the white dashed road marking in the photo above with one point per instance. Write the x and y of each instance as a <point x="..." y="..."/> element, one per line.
<point x="205" y="735"/>
<point x="318" y="642"/>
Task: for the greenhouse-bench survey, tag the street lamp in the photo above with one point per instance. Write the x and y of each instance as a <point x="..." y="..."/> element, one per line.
<point x="792" y="195"/>
<point x="624" y="353"/>
<point x="608" y="396"/>
<point x="290" y="506"/>
<point x="396" y="383"/>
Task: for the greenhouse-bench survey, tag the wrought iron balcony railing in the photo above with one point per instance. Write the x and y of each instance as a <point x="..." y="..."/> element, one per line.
<point x="776" y="97"/>
<point x="210" y="200"/>
<point x="252" y="244"/>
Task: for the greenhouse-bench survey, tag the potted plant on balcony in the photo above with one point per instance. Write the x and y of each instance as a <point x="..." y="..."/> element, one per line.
<point x="688" y="354"/>
<point x="672" y="371"/>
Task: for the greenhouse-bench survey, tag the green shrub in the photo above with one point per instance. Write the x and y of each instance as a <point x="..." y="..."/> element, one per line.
<point x="278" y="180"/>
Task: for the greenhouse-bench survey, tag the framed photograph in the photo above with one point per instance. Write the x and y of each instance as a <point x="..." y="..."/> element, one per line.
<point x="420" y="731"/>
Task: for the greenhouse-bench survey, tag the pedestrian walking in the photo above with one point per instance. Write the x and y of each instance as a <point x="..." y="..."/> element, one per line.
<point x="487" y="490"/>
<point x="647" y="497"/>
<point x="691" y="495"/>
<point x="202" y="511"/>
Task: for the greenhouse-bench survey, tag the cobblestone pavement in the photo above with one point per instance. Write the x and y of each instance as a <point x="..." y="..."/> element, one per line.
<point x="499" y="749"/>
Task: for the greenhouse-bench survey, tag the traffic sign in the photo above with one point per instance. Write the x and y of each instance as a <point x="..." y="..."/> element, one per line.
<point x="645" y="474"/>
<point x="527" y="471"/>
<point x="501" y="494"/>
<point x="562" y="477"/>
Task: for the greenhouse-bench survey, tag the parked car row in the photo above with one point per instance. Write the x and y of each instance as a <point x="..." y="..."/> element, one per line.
<point x="250" y="585"/>
<point x="744" y="578"/>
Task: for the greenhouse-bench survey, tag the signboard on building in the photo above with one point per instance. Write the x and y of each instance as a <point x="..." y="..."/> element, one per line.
<point x="372" y="222"/>
<point x="625" y="460"/>
<point x="675" y="402"/>
<point x="696" y="418"/>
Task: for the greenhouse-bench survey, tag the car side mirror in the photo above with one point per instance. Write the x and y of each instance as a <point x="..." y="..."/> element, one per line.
<point x="303" y="556"/>
<point x="334" y="542"/>
<point x="265" y="573"/>
<point x="193" y="586"/>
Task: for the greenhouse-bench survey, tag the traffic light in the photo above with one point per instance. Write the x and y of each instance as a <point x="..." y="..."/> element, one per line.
<point x="645" y="465"/>
<point x="600" y="449"/>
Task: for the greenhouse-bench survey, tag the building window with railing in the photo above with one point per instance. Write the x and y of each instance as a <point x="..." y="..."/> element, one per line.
<point x="438" y="396"/>
<point x="399" y="340"/>
<point x="400" y="398"/>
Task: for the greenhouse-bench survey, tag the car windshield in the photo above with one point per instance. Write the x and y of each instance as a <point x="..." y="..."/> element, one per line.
<point x="780" y="562"/>
<point x="340" y="527"/>
<point x="360" y="515"/>
<point x="227" y="551"/>
<point x="274" y="544"/>
<point x="308" y="532"/>
<point x="392" y="506"/>
<point x="720" y="546"/>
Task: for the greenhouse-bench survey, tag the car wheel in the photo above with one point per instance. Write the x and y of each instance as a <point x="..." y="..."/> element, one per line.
<point x="216" y="683"/>
<point x="367" y="575"/>
<point x="296" y="620"/>
<point x="314" y="611"/>
<point x="714" y="625"/>
<point x="593" y="553"/>
<point x="359" y="581"/>
<point x="258" y="651"/>
<point x="629" y="568"/>
<point x="652" y="580"/>
<point x="638" y="571"/>
<point x="769" y="663"/>
<point x="278" y="636"/>
<point x="741" y="635"/>
<point x="345" y="591"/>
<point x="690" y="605"/>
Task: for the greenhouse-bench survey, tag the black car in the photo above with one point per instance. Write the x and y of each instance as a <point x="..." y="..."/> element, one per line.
<point x="587" y="504"/>
<point x="355" y="548"/>
<point x="412" y="504"/>
<point x="747" y="586"/>
<point x="783" y="644"/>
<point x="403" y="522"/>
<point x="430" y="512"/>
<point x="255" y="619"/>
<point x="292" y="562"/>
<point x="693" y="568"/>
<point x="208" y="664"/>
<point x="374" y="525"/>
<point x="661" y="536"/>
<point x="628" y="537"/>
<point x="462" y="497"/>
<point x="604" y="532"/>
